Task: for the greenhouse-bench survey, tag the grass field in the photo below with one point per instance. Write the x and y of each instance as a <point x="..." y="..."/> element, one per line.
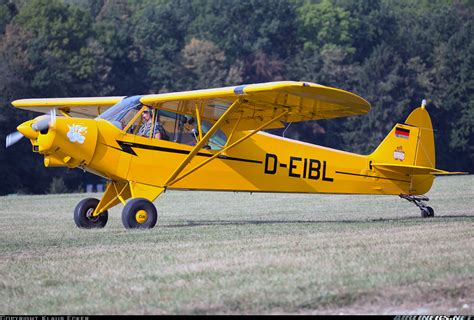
<point x="221" y="253"/>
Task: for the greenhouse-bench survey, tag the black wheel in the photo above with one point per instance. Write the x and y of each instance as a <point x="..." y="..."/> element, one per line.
<point x="424" y="213"/>
<point x="139" y="213"/>
<point x="430" y="212"/>
<point x="83" y="215"/>
<point x="427" y="212"/>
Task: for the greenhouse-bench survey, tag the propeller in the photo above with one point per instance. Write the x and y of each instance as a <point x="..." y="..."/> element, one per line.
<point x="13" y="138"/>
<point x="42" y="123"/>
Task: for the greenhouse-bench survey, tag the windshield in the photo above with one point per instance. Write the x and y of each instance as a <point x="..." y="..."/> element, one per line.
<point x="170" y="125"/>
<point x="121" y="109"/>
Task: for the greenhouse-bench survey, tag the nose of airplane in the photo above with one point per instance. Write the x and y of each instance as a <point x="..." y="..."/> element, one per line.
<point x="73" y="140"/>
<point x="26" y="130"/>
<point x="63" y="141"/>
<point x="31" y="128"/>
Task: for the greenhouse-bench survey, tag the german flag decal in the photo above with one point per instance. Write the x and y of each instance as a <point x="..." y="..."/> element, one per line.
<point x="402" y="133"/>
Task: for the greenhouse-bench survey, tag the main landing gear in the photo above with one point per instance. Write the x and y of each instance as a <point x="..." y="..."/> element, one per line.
<point x="138" y="213"/>
<point x="83" y="215"/>
<point x="426" y="211"/>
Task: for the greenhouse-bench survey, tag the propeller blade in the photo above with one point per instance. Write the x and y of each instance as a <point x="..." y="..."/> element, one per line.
<point x="13" y="138"/>
<point x="46" y="121"/>
<point x="52" y="122"/>
<point x="41" y="124"/>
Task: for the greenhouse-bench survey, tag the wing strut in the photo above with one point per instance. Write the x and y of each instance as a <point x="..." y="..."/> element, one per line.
<point x="235" y="105"/>
<point x="229" y="147"/>
<point x="198" y="118"/>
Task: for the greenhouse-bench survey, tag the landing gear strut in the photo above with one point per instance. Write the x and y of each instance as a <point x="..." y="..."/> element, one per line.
<point x="426" y="211"/>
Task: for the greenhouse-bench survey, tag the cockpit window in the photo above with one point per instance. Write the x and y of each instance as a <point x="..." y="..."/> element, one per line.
<point x="218" y="140"/>
<point x="121" y="109"/>
<point x="171" y="126"/>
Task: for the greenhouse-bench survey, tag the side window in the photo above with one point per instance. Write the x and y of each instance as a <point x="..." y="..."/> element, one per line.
<point x="139" y="121"/>
<point x="171" y="126"/>
<point x="190" y="134"/>
<point x="129" y="117"/>
<point x="188" y="130"/>
<point x="160" y="123"/>
<point x="149" y="125"/>
<point x="179" y="128"/>
<point x="218" y="140"/>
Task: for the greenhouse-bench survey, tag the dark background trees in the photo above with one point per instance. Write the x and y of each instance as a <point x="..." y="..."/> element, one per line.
<point x="393" y="53"/>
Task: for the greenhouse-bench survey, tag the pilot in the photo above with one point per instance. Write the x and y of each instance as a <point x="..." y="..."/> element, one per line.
<point x="146" y="125"/>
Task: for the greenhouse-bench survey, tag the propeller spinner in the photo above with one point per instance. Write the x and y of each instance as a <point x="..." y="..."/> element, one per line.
<point x="30" y="130"/>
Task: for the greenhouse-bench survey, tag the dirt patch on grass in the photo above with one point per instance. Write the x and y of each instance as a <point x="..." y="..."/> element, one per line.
<point x="453" y="296"/>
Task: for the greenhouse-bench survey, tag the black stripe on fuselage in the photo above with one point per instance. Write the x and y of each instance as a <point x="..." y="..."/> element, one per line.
<point x="375" y="177"/>
<point x="127" y="147"/>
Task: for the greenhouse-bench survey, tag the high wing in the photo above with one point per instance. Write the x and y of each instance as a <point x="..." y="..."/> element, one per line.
<point x="261" y="102"/>
<point x="75" y="107"/>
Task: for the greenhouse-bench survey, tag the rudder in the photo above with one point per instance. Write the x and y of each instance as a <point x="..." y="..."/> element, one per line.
<point x="409" y="145"/>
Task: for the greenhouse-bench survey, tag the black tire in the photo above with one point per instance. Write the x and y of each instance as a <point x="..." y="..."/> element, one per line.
<point x="130" y="214"/>
<point x="83" y="215"/>
<point x="430" y="212"/>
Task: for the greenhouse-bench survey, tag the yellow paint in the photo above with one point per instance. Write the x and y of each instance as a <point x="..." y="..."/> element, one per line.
<point x="88" y="107"/>
<point x="202" y="142"/>
<point x="143" y="167"/>
<point x="247" y="136"/>
<point x="198" y="118"/>
<point x="51" y="161"/>
<point x="116" y="192"/>
<point x="26" y="130"/>
<point x="149" y="192"/>
<point x="141" y="216"/>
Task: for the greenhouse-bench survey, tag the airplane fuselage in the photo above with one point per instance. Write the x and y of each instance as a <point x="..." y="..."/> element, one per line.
<point x="263" y="163"/>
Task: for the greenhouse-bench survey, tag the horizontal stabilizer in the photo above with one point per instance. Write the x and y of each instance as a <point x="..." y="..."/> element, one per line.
<point x="411" y="170"/>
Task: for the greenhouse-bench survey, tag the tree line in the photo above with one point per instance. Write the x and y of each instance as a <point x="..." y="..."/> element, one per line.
<point x="392" y="53"/>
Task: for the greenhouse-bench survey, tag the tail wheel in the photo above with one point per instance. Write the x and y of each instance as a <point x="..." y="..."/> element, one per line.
<point x="427" y="212"/>
<point x="139" y="213"/>
<point x="83" y="214"/>
<point x="430" y="211"/>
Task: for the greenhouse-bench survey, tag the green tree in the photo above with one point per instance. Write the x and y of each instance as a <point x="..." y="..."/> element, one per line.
<point x="453" y="98"/>
<point x="206" y="65"/>
<point x="47" y="50"/>
<point x="258" y="35"/>
<point x="62" y="54"/>
<point x="159" y="35"/>
<point x="115" y="28"/>
<point x="7" y="12"/>
<point x="325" y="25"/>
<point x="394" y="54"/>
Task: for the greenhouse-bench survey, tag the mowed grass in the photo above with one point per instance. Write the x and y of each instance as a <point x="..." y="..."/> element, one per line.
<point x="240" y="253"/>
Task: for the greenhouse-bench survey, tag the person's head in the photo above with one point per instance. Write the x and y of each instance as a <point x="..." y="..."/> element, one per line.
<point x="146" y="114"/>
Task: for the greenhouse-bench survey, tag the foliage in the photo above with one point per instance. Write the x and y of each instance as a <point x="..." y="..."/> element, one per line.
<point x="57" y="186"/>
<point x="394" y="54"/>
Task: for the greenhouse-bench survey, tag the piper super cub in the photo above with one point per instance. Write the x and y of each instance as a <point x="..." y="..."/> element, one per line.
<point x="213" y="140"/>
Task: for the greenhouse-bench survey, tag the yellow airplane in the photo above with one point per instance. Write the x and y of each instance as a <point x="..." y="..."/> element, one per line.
<point x="213" y="140"/>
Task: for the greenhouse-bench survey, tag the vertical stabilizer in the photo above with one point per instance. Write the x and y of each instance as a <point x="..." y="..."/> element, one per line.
<point x="409" y="145"/>
<point x="425" y="153"/>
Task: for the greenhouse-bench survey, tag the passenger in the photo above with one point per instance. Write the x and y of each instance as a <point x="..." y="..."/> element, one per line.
<point x="146" y="125"/>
